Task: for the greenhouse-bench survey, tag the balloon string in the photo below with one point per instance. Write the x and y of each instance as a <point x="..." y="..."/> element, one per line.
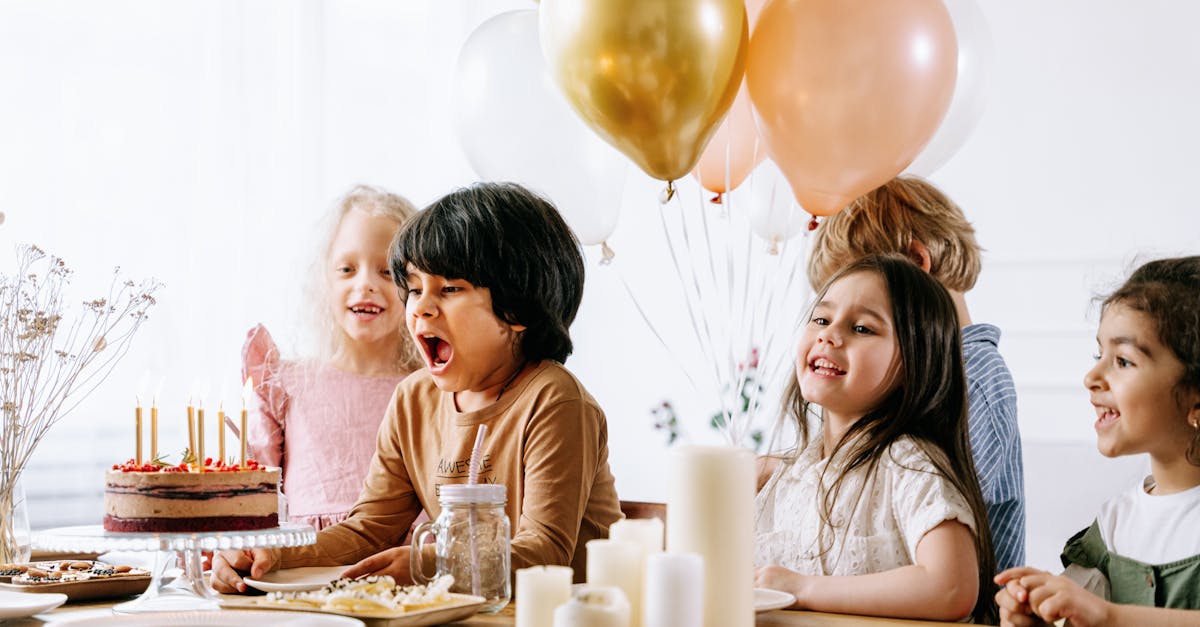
<point x="691" y="306"/>
<point x="747" y="318"/>
<point x="778" y="362"/>
<point x="729" y="326"/>
<point x="768" y="371"/>
<point x="772" y="357"/>
<point x="738" y="351"/>
<point x="703" y="302"/>
<point x="721" y="301"/>
<point x="653" y="329"/>
<point x="752" y="329"/>
<point x="732" y="407"/>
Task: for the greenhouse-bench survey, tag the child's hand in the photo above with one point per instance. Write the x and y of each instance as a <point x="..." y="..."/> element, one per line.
<point x="392" y="562"/>
<point x="780" y="578"/>
<point x="229" y="566"/>
<point x="1055" y="598"/>
<point x="1031" y="597"/>
<point x="1013" y="598"/>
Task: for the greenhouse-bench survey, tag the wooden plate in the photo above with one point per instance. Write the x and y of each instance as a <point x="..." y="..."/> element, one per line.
<point x="100" y="588"/>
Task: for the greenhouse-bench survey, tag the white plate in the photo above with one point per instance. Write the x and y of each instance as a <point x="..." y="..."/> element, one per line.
<point x="296" y="579"/>
<point x="766" y="600"/>
<point x="22" y="604"/>
<point x="222" y="618"/>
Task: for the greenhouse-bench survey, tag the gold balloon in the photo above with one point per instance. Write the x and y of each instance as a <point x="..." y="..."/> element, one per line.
<point x="652" y="77"/>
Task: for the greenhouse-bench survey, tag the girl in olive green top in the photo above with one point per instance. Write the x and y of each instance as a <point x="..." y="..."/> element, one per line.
<point x="1142" y="553"/>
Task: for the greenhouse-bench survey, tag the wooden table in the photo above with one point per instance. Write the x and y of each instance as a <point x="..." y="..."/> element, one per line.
<point x="779" y="618"/>
<point x="507" y="618"/>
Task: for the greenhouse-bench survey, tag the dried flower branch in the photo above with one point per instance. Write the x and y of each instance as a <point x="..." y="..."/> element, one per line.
<point x="49" y="362"/>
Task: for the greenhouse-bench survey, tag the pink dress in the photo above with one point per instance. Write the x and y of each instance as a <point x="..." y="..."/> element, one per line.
<point x="316" y="422"/>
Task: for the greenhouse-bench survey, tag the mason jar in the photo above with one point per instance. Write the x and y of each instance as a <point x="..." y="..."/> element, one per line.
<point x="472" y="543"/>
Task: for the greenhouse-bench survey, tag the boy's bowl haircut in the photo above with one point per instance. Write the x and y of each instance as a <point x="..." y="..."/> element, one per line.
<point x="513" y="242"/>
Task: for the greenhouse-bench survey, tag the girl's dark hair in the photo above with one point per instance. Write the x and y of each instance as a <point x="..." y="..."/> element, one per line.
<point x="928" y="405"/>
<point x="513" y="242"/>
<point x="1168" y="292"/>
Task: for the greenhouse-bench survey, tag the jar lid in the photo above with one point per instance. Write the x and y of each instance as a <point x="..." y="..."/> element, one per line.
<point x="472" y="493"/>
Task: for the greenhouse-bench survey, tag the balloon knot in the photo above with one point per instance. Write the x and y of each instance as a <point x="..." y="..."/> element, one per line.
<point x="718" y="199"/>
<point x="667" y="194"/>
<point x="813" y="224"/>
<point x="606" y="254"/>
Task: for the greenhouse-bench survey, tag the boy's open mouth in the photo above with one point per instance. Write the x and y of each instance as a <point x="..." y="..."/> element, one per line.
<point x="1106" y="415"/>
<point x="823" y="366"/>
<point x="438" y="350"/>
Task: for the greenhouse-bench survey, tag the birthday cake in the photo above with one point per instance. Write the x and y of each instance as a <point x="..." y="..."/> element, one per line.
<point x="150" y="498"/>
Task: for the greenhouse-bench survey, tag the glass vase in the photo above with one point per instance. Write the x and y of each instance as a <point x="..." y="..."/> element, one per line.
<point x="15" y="544"/>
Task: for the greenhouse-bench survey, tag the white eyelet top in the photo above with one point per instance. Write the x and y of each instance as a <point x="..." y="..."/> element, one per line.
<point x="899" y="504"/>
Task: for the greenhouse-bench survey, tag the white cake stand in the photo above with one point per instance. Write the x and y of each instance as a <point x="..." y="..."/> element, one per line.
<point x="188" y="591"/>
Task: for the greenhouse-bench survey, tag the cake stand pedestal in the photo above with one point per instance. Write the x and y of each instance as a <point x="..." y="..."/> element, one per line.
<point x="188" y="591"/>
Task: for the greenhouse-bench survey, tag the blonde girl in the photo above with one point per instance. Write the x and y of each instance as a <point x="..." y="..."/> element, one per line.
<point x="317" y="417"/>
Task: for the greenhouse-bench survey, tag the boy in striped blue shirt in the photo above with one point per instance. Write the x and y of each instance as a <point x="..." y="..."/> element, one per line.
<point x="912" y="217"/>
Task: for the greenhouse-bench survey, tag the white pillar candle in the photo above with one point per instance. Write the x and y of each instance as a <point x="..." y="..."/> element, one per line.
<point x="540" y="589"/>
<point x="647" y="533"/>
<point x="593" y="606"/>
<point x="617" y="563"/>
<point x="710" y="512"/>
<point x="673" y="591"/>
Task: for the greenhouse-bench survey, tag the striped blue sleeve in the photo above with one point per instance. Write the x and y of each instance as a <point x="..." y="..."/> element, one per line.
<point x="996" y="441"/>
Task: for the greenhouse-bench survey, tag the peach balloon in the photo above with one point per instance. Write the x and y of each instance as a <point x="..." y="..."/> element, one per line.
<point x="734" y="149"/>
<point x="736" y="144"/>
<point x="849" y="92"/>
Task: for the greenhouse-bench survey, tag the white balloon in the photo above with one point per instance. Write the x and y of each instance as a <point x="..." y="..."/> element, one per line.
<point x="970" y="88"/>
<point x="514" y="125"/>
<point x="774" y="213"/>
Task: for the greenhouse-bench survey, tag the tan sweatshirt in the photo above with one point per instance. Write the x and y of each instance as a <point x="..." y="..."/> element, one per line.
<point x="547" y="442"/>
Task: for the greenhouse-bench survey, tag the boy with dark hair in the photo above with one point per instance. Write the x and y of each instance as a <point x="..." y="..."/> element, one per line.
<point x="492" y="278"/>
